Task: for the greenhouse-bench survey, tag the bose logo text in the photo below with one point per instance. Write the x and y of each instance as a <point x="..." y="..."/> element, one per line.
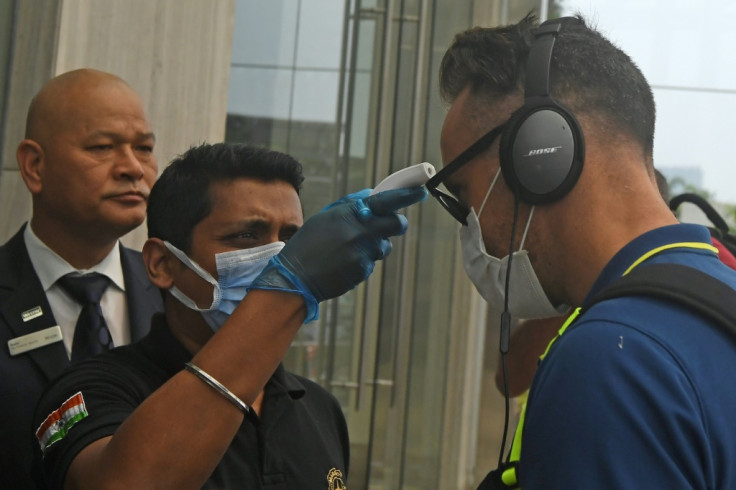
<point x="542" y="151"/>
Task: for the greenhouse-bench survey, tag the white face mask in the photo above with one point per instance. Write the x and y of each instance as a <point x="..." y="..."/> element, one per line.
<point x="236" y="271"/>
<point x="526" y="296"/>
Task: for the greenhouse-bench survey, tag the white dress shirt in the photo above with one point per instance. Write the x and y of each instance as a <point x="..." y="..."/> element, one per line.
<point x="50" y="267"/>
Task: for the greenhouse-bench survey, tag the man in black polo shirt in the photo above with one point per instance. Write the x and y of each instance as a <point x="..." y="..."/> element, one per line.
<point x="217" y="216"/>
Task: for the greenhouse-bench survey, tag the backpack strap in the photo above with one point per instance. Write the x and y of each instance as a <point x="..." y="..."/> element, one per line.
<point x="705" y="206"/>
<point x="701" y="292"/>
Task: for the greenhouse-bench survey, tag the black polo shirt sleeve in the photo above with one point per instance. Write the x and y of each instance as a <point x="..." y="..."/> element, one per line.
<point x="89" y="401"/>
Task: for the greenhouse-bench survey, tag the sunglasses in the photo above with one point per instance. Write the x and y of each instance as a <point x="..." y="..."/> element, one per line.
<point x="452" y="205"/>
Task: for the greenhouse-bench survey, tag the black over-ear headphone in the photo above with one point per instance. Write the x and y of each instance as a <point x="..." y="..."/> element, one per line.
<point x="542" y="148"/>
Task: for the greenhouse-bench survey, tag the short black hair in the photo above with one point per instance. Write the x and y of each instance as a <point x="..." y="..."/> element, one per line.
<point x="181" y="197"/>
<point x="589" y="74"/>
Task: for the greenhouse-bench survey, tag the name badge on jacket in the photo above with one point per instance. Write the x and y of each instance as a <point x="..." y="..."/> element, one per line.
<point x="34" y="340"/>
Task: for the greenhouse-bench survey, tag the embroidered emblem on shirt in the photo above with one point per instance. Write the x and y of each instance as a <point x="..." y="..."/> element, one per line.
<point x="58" y="423"/>
<point x="334" y="479"/>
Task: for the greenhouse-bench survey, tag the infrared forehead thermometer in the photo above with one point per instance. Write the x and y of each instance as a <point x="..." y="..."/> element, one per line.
<point x="413" y="176"/>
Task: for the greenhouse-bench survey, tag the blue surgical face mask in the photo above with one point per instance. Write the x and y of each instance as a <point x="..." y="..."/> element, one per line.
<point x="236" y="270"/>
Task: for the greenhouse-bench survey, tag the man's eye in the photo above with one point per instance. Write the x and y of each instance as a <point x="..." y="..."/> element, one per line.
<point x="102" y="147"/>
<point x="287" y="236"/>
<point x="145" y="148"/>
<point x="246" y="235"/>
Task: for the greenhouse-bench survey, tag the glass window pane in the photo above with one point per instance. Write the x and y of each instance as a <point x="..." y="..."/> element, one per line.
<point x="315" y="96"/>
<point x="320" y="34"/>
<point x="259" y="92"/>
<point x="265" y="32"/>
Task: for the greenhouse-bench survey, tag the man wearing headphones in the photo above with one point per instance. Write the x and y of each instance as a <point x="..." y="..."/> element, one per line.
<point x="548" y="150"/>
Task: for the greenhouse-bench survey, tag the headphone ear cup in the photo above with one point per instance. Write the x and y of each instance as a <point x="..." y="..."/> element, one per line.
<point x="542" y="152"/>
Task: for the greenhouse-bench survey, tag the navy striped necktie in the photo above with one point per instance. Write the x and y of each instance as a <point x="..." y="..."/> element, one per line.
<point x="91" y="335"/>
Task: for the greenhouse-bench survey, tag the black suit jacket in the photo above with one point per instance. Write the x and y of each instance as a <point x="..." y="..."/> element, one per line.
<point x="23" y="377"/>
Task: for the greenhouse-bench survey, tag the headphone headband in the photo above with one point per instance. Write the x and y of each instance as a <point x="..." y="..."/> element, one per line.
<point x="542" y="150"/>
<point x="540" y="59"/>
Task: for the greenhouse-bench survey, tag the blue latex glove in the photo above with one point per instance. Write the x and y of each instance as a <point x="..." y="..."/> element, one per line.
<point x="361" y="194"/>
<point x="336" y="249"/>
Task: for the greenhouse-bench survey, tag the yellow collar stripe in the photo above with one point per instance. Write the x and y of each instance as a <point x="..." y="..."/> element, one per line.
<point x="698" y="245"/>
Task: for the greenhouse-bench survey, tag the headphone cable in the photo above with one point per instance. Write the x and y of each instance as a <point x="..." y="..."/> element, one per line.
<point x="505" y="332"/>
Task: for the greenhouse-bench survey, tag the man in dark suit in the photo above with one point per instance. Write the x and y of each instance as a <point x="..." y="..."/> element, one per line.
<point x="87" y="159"/>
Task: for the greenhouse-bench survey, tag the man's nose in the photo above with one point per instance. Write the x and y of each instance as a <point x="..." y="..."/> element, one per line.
<point x="127" y="164"/>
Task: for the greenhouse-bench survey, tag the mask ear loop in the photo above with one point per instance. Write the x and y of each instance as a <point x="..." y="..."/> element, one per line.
<point x="526" y="229"/>
<point x="184" y="258"/>
<point x="488" y="193"/>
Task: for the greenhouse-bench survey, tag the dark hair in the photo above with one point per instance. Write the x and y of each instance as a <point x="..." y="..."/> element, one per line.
<point x="181" y="198"/>
<point x="589" y="75"/>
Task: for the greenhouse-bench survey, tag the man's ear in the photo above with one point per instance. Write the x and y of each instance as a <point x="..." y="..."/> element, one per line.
<point x="157" y="260"/>
<point x="30" y="158"/>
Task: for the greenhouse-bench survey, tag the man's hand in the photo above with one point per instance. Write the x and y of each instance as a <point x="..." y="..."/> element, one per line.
<point x="337" y="248"/>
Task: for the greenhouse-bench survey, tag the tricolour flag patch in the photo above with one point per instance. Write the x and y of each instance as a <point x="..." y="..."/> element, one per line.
<point x="58" y="423"/>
